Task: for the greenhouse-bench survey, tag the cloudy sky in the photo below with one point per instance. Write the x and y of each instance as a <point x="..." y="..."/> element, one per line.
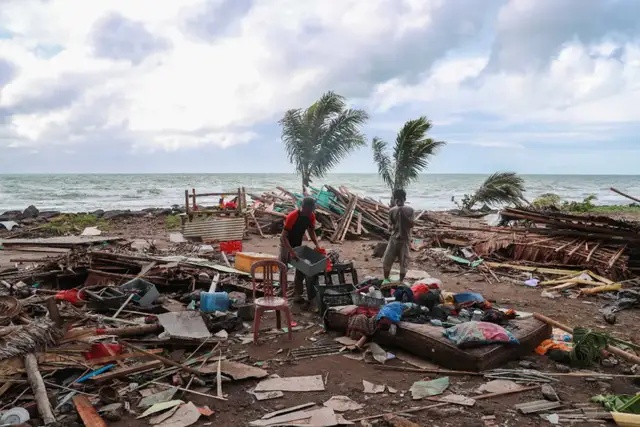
<point x="535" y="86"/>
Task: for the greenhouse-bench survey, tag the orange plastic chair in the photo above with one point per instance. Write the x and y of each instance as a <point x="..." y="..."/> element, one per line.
<point x="270" y="301"/>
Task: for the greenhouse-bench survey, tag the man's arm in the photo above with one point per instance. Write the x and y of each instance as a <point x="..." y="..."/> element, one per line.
<point x="284" y="241"/>
<point x="314" y="237"/>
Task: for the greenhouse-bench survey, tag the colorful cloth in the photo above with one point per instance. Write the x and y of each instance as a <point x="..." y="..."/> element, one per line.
<point x="472" y="334"/>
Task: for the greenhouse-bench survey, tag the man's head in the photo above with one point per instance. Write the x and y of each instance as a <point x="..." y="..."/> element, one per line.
<point x="399" y="197"/>
<point x="308" y="206"/>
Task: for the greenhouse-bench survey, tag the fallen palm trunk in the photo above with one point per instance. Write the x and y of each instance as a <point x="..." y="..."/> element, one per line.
<point x="39" y="390"/>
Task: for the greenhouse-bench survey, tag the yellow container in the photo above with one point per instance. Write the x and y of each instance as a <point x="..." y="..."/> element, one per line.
<point x="244" y="260"/>
<point x="626" y="420"/>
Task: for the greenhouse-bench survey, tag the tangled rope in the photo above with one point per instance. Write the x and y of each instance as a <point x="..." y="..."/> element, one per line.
<point x="588" y="346"/>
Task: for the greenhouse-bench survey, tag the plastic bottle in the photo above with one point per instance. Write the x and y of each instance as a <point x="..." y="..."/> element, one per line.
<point x="214" y="301"/>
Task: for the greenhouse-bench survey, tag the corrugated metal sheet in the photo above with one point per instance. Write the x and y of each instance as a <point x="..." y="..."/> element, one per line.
<point x="219" y="229"/>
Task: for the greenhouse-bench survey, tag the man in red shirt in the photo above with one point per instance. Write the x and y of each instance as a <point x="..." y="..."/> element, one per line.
<point x="295" y="225"/>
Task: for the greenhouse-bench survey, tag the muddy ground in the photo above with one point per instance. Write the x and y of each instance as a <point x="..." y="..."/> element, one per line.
<point x="344" y="376"/>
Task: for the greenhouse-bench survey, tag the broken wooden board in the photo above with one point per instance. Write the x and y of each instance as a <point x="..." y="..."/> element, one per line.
<point x="87" y="412"/>
<point x="308" y="383"/>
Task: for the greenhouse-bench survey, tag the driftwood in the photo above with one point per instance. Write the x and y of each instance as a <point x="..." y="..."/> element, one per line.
<point x="39" y="389"/>
<point x="625" y="195"/>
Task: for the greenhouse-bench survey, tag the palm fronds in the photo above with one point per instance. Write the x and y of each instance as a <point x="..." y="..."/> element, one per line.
<point x="318" y="138"/>
<point x="499" y="188"/>
<point x="21" y="339"/>
<point x="411" y="154"/>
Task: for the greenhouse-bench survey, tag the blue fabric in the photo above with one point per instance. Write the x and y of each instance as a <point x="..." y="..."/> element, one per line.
<point x="392" y="311"/>
<point x="404" y="294"/>
<point x="468" y="298"/>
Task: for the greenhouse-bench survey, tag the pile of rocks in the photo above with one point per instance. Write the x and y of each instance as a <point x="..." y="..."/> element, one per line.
<point x="33" y="216"/>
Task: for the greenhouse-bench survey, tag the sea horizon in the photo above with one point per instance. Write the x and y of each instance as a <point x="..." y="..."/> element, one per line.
<point x="84" y="192"/>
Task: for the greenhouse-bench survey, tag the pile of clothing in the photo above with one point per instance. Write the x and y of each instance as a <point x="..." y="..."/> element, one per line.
<point x="426" y="302"/>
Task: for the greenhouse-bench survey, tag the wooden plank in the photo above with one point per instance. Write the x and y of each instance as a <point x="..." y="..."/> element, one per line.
<point x="537" y="406"/>
<point x="87" y="412"/>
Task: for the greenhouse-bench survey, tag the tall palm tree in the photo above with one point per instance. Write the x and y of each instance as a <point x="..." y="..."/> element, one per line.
<point x="319" y="137"/>
<point x="499" y="188"/>
<point x="410" y="156"/>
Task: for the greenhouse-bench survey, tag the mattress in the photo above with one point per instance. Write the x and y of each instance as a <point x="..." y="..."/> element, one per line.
<point x="428" y="342"/>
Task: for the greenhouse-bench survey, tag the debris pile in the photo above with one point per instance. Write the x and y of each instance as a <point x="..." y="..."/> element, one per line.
<point x="550" y="239"/>
<point x="340" y="213"/>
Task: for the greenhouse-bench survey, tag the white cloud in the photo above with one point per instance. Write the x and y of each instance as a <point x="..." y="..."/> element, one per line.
<point x="174" y="74"/>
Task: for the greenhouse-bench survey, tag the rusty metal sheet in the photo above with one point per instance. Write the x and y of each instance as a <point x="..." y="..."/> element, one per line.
<point x="219" y="229"/>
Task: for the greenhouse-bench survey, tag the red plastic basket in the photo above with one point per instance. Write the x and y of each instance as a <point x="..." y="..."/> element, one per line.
<point x="323" y="251"/>
<point x="231" y="247"/>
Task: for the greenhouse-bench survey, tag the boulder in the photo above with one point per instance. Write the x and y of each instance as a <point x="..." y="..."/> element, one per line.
<point x="97" y="213"/>
<point x="30" y="212"/>
<point x="49" y="214"/>
<point x="115" y="214"/>
<point x="10" y="216"/>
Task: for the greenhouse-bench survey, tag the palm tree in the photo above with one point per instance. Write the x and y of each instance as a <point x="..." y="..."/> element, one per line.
<point x="317" y="138"/>
<point x="410" y="156"/>
<point x="499" y="188"/>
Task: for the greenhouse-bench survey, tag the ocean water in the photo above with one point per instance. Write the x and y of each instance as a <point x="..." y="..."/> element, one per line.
<point x="81" y="193"/>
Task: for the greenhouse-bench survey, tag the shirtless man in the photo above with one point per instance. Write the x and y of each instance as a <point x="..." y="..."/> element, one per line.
<point x="401" y="222"/>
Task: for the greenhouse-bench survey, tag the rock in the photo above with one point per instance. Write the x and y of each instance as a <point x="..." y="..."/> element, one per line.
<point x="445" y="412"/>
<point x="31" y="212"/>
<point x="527" y="364"/>
<point x="28" y="221"/>
<point x="609" y="362"/>
<point x="486" y="410"/>
<point x="49" y="214"/>
<point x="99" y="213"/>
<point x="10" y="216"/>
<point x="378" y="250"/>
<point x="115" y="214"/>
<point x="563" y="369"/>
<point x="549" y="393"/>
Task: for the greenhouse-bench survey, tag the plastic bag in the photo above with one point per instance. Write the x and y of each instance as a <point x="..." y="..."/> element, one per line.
<point x="472" y="334"/>
<point x="392" y="312"/>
